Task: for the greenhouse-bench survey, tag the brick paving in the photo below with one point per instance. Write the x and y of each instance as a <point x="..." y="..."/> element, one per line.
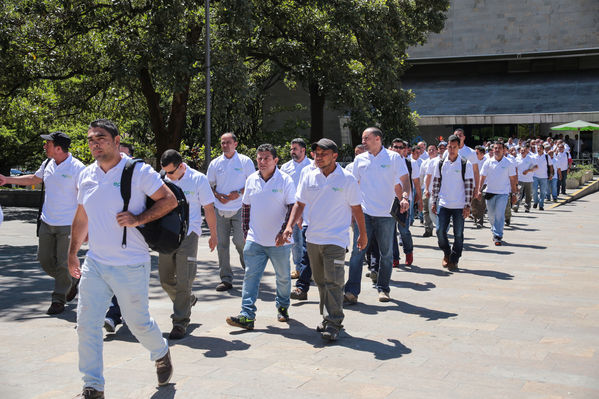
<point x="517" y="321"/>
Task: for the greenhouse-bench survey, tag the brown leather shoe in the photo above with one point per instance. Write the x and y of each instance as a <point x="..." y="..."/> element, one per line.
<point x="299" y="294"/>
<point x="452" y="266"/>
<point x="164" y="369"/>
<point x="294" y="274"/>
<point x="445" y="261"/>
<point x="224" y="286"/>
<point x="55" y="308"/>
<point x="90" y="393"/>
<point x="349" y="299"/>
<point x="177" y="332"/>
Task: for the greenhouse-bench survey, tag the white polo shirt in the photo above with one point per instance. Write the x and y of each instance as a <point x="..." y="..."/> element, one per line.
<point x="451" y="194"/>
<point x="562" y="160"/>
<point x="377" y="177"/>
<point x="523" y="164"/>
<point x="305" y="171"/>
<point x="465" y="152"/>
<point x="430" y="170"/>
<point x="542" y="161"/>
<point x="498" y="175"/>
<point x="415" y="169"/>
<point x="329" y="200"/>
<point x="294" y="169"/>
<point x="268" y="201"/>
<point x="60" y="185"/>
<point x="100" y="195"/>
<point x="198" y="193"/>
<point x="229" y="174"/>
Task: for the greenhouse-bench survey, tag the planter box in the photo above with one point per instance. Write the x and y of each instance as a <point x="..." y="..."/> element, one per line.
<point x="588" y="175"/>
<point x="572" y="183"/>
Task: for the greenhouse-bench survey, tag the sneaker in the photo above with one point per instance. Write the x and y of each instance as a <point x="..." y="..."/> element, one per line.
<point x="299" y="294"/>
<point x="374" y="276"/>
<point x="90" y="393"/>
<point x="497" y="243"/>
<point x="541" y="208"/>
<point x="507" y="222"/>
<point x="177" y="332"/>
<point x="452" y="266"/>
<point x="321" y="326"/>
<point x="109" y="325"/>
<point x="409" y="258"/>
<point x="384" y="296"/>
<point x="515" y="210"/>
<point x="193" y="300"/>
<point x="294" y="274"/>
<point x="534" y="206"/>
<point x="479" y="225"/>
<point x="427" y="233"/>
<point x="73" y="291"/>
<point x="396" y="263"/>
<point x="164" y="369"/>
<point x="330" y="333"/>
<point x="367" y="274"/>
<point x="445" y="261"/>
<point x="241" y="321"/>
<point x="527" y="210"/>
<point x="283" y="314"/>
<point x="349" y="299"/>
<point x="224" y="286"/>
<point x="55" y="308"/>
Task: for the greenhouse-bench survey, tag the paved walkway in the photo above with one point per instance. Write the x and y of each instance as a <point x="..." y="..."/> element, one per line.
<point x="517" y="321"/>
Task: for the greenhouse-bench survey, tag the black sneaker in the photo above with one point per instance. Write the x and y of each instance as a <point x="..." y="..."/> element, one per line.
<point x="90" y="393"/>
<point x="224" y="286"/>
<point x="109" y="325"/>
<point x="283" y="314"/>
<point x="527" y="210"/>
<point x="321" y="326"/>
<point x="241" y="321"/>
<point x="164" y="369"/>
<point x="534" y="206"/>
<point x="55" y="308"/>
<point x="374" y="276"/>
<point x="541" y="208"/>
<point x="427" y="233"/>
<point x="330" y="333"/>
<point x="299" y="294"/>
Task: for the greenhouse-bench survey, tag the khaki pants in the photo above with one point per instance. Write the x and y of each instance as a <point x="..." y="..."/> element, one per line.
<point x="224" y="227"/>
<point x="478" y="210"/>
<point x="177" y="272"/>
<point x="525" y="189"/>
<point x="53" y="254"/>
<point x="428" y="222"/>
<point x="328" y="262"/>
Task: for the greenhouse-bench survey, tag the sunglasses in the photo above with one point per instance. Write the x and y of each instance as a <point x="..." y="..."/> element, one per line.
<point x="397" y="147"/>
<point x="172" y="172"/>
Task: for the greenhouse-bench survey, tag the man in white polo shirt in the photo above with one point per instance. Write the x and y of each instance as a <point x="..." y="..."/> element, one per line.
<point x="500" y="175"/>
<point x="428" y="222"/>
<point x="540" y="178"/>
<point x="112" y="267"/>
<point x="178" y="270"/>
<point x="526" y="166"/>
<point x="294" y="168"/>
<point x="382" y="175"/>
<point x="562" y="162"/>
<point x="333" y="197"/>
<point x="227" y="174"/>
<point x="452" y="194"/>
<point x="268" y="198"/>
<point x="59" y="175"/>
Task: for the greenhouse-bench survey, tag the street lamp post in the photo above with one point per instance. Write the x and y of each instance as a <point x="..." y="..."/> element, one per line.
<point x="207" y="147"/>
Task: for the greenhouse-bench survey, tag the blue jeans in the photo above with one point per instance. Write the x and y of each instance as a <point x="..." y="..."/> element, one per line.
<point x="380" y="227"/>
<point x="552" y="189"/>
<point x="298" y="248"/>
<point x="98" y="284"/>
<point x="445" y="214"/>
<point x="539" y="183"/>
<point x="496" y="213"/>
<point x="305" y="271"/>
<point x="256" y="256"/>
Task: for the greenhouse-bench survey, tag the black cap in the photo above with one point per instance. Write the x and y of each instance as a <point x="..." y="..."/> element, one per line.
<point x="59" y="138"/>
<point x="325" y="144"/>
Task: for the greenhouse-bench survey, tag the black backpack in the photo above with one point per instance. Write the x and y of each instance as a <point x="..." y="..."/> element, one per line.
<point x="463" y="169"/>
<point x="163" y="235"/>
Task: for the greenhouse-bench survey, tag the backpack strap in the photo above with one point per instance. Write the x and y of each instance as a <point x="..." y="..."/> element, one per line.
<point x="39" y="211"/>
<point x="126" y="177"/>
<point x="464" y="169"/>
<point x="463" y="160"/>
<point x="440" y="174"/>
<point x="409" y="166"/>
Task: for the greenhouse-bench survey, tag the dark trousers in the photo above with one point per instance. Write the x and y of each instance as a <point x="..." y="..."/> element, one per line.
<point x="561" y="183"/>
<point x="305" y="271"/>
<point x="456" y="216"/>
<point x="114" y="311"/>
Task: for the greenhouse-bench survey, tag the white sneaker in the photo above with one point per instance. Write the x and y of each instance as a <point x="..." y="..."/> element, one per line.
<point x="109" y="325"/>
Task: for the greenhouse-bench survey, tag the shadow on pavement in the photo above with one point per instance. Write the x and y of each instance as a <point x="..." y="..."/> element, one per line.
<point x="301" y="332"/>
<point x="531" y="246"/>
<point x="28" y="215"/>
<point x="165" y="392"/>
<point x="404" y="307"/>
<point x="413" y="286"/>
<point x="487" y="273"/>
<point x="423" y="270"/>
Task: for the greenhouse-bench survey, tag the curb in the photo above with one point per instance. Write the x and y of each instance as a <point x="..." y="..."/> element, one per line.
<point x="589" y="188"/>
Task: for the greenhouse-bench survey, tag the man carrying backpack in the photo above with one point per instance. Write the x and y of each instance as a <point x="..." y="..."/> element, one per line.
<point x="112" y="267"/>
<point x="453" y="187"/>
<point x="177" y="270"/>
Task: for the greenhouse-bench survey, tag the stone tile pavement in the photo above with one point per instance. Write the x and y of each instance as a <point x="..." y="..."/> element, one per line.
<point x="517" y="321"/>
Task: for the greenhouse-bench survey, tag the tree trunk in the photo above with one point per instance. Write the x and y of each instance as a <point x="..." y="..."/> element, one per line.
<point x="316" y="113"/>
<point x="155" y="113"/>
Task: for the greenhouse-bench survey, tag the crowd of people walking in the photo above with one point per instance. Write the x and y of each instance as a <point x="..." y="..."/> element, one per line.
<point x="299" y="216"/>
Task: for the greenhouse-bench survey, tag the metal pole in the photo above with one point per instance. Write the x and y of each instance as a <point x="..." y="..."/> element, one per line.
<point x="207" y="147"/>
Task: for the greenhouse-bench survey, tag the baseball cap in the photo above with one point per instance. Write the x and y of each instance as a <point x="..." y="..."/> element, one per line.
<point x="325" y="144"/>
<point x="442" y="143"/>
<point x="58" y="138"/>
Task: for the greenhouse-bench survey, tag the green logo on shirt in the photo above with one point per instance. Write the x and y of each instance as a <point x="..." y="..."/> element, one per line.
<point x="237" y="169"/>
<point x="338" y="189"/>
<point x="188" y="192"/>
<point x="66" y="176"/>
<point x="277" y="190"/>
<point x="116" y="184"/>
<point x="385" y="166"/>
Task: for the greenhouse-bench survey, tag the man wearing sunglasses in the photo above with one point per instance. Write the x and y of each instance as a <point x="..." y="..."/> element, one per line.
<point x="178" y="270"/>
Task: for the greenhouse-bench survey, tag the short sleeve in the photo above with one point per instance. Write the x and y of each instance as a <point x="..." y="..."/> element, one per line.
<point x="205" y="194"/>
<point x="210" y="173"/>
<point x="289" y="191"/>
<point x="484" y="169"/>
<point x="354" y="195"/>
<point x="300" y="194"/>
<point x="245" y="199"/>
<point x="40" y="172"/>
<point x="435" y="172"/>
<point x="149" y="180"/>
<point x="415" y="170"/>
<point x="401" y="167"/>
<point x="248" y="167"/>
<point x="511" y="169"/>
<point x="469" y="171"/>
